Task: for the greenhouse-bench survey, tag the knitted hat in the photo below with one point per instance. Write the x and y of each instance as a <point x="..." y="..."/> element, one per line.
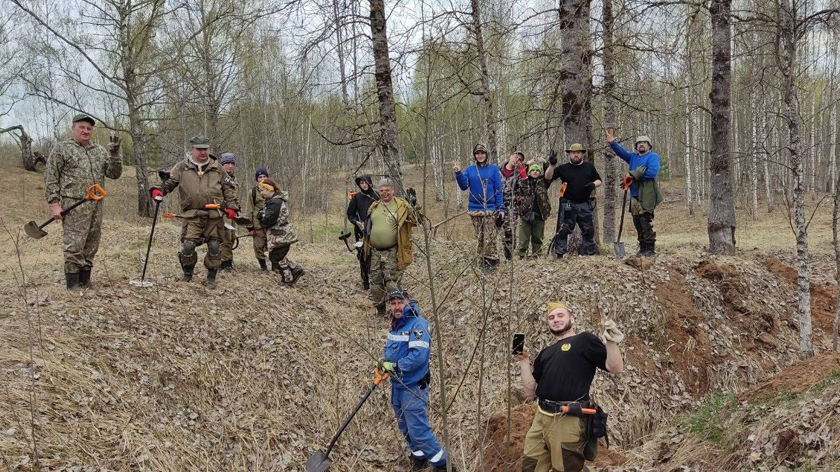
<point x="227" y="158"/>
<point x="259" y="172"/>
<point x="535" y="167"/>
<point x="556" y="306"/>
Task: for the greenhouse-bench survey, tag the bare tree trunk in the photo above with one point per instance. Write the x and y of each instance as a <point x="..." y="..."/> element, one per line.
<point x="835" y="327"/>
<point x="576" y="73"/>
<point x="721" y="225"/>
<point x="787" y="43"/>
<point x="576" y="85"/>
<point x="689" y="191"/>
<point x="489" y="117"/>
<point x="385" y="93"/>
<point x="756" y="154"/>
<point x="610" y="171"/>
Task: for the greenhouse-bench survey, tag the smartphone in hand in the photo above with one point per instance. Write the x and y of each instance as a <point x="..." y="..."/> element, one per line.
<point x="518" y="344"/>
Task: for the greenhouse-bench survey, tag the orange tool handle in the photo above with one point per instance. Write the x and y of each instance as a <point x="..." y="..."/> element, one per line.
<point x="378" y="377"/>
<point x="95" y="193"/>
<point x="585" y="411"/>
<point x="212" y="206"/>
<point x="627" y="182"/>
<point x="563" y="189"/>
<point x="169" y="215"/>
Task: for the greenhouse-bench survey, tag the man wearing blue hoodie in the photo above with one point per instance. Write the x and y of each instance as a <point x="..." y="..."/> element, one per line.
<point x="644" y="168"/>
<point x="406" y="358"/>
<point x="486" y="207"/>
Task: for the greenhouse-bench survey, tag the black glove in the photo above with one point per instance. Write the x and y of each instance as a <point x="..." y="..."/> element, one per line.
<point x="411" y="196"/>
<point x="552" y="157"/>
<point x="260" y="214"/>
<point x="590" y="186"/>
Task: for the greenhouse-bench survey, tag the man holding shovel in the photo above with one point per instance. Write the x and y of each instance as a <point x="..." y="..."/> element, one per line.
<point x="406" y="359"/>
<point x="204" y="196"/>
<point x="73" y="166"/>
<point x="561" y="377"/>
<point x="644" y="189"/>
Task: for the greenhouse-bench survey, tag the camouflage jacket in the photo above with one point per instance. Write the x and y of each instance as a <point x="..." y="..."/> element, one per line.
<point x="510" y="182"/>
<point x="72" y="169"/>
<point x="198" y="187"/>
<point x="524" y="197"/>
<point x="277" y="219"/>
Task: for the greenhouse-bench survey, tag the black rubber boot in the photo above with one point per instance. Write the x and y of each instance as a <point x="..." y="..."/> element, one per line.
<point x="211" y="278"/>
<point x="263" y="265"/>
<point x="296" y="273"/>
<point x="649" y="250"/>
<point x="188" y="273"/>
<point x="508" y="254"/>
<point x="72" y="281"/>
<point x="418" y="464"/>
<point x="227" y="265"/>
<point x="442" y="468"/>
<point x="84" y="278"/>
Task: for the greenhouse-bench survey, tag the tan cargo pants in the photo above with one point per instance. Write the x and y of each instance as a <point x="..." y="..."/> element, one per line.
<point x="555" y="443"/>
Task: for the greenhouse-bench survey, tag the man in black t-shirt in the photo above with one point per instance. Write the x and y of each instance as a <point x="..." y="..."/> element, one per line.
<point x="576" y="201"/>
<point x="562" y="374"/>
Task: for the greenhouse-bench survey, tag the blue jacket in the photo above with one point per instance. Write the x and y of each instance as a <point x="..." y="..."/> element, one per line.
<point x="408" y="345"/>
<point x="485" y="185"/>
<point x="650" y="161"/>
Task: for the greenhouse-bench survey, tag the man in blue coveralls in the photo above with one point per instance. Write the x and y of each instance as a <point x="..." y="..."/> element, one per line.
<point x="406" y="358"/>
<point x="644" y="167"/>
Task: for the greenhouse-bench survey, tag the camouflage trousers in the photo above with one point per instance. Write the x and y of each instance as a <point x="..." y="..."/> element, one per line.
<point x="260" y="244"/>
<point x="486" y="232"/>
<point x="277" y="253"/>
<point x="198" y="231"/>
<point x="643" y="221"/>
<point x="384" y="274"/>
<point x="555" y="443"/>
<point x="228" y="238"/>
<point x="509" y="228"/>
<point x="82" y="232"/>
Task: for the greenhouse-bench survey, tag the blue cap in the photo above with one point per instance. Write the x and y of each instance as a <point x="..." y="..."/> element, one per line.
<point x="259" y="172"/>
<point x="228" y="158"/>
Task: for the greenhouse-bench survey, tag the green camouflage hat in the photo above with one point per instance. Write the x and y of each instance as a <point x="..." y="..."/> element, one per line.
<point x="84" y="117"/>
<point x="576" y="147"/>
<point x="200" y="142"/>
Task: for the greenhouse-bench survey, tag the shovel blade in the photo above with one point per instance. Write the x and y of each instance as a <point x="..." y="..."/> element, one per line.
<point x="619" y="250"/>
<point x="33" y="231"/>
<point x="318" y="462"/>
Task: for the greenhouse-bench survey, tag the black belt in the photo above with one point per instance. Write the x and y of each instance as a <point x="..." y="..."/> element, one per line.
<point x="553" y="407"/>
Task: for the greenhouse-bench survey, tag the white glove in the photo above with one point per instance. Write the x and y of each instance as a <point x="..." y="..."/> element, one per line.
<point x="612" y="333"/>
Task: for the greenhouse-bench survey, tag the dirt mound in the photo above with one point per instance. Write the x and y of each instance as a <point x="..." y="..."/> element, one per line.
<point x="798" y="377"/>
<point x="823" y="297"/>
<point x="498" y="457"/>
<point x="689" y="347"/>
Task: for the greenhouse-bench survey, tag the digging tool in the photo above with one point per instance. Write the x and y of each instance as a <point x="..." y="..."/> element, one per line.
<point x="149" y="246"/>
<point x="236" y="242"/>
<point x="320" y="461"/>
<point x="94" y="193"/>
<point x="344" y="237"/>
<point x="618" y="246"/>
